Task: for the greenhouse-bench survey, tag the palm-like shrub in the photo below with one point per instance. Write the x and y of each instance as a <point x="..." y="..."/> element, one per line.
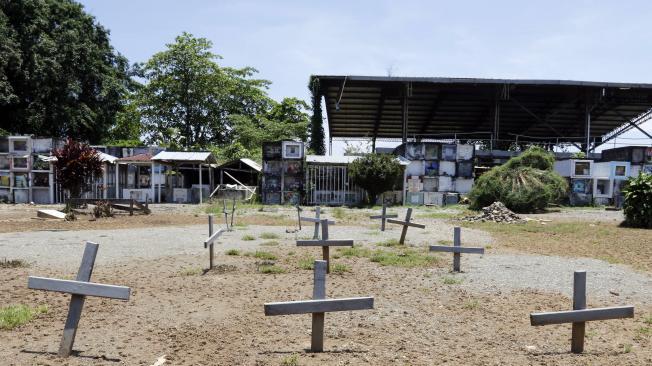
<point x="638" y="201"/>
<point x="526" y="183"/>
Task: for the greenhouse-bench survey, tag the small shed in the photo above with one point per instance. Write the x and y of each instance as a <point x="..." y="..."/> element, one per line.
<point x="186" y="175"/>
<point x="237" y="178"/>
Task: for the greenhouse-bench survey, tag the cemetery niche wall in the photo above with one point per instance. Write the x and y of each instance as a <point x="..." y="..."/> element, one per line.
<point x="437" y="173"/>
<point x="282" y="172"/>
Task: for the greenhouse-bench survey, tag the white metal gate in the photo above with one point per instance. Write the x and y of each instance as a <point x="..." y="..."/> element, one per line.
<point x="330" y="185"/>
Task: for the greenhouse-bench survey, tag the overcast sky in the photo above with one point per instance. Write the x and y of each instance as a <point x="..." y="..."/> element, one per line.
<point x="287" y="41"/>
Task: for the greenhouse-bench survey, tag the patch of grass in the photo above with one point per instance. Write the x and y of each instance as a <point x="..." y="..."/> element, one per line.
<point x="389" y="243"/>
<point x="16" y="315"/>
<point x="13" y="263"/>
<point x="248" y="237"/>
<point x="644" y="331"/>
<point x="600" y="240"/>
<point x="627" y="348"/>
<point x="354" y="251"/>
<point x="290" y="253"/>
<point x="270" y="243"/>
<point x="190" y="271"/>
<point x="307" y="263"/>
<point x="471" y="304"/>
<point x="268" y="236"/>
<point x="232" y="252"/>
<point x="339" y="213"/>
<point x="452" y="280"/>
<point x="437" y="215"/>
<point x="291" y="360"/>
<point x="445" y="242"/>
<point x="271" y="269"/>
<point x="264" y="255"/>
<point x="340" y="268"/>
<point x="648" y="319"/>
<point x="406" y="258"/>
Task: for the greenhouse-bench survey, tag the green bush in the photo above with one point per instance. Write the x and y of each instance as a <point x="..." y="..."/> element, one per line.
<point x="638" y="201"/>
<point x="375" y="173"/>
<point x="526" y="183"/>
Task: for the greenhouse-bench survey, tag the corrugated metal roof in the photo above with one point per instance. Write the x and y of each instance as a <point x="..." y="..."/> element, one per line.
<point x="252" y="164"/>
<point x="108" y="158"/>
<point x="185" y="156"/>
<point x="136" y="158"/>
<point x="325" y="159"/>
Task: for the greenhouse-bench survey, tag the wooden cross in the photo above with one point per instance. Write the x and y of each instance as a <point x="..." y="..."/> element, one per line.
<point x="457" y="249"/>
<point x="226" y="215"/>
<point x="406" y="224"/>
<point x="212" y="237"/>
<point x="299" y="215"/>
<point x="80" y="288"/>
<point x="383" y="217"/>
<point x="318" y="306"/>
<point x="580" y="314"/>
<point x="325" y="244"/>
<point x="316" y="220"/>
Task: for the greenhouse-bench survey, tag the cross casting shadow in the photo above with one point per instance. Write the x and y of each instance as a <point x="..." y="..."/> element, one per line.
<point x="74" y="354"/>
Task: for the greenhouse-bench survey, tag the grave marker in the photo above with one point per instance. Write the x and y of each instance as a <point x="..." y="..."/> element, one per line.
<point x="325" y="243"/>
<point x="317" y="219"/>
<point x="212" y="237"/>
<point x="79" y="288"/>
<point x="580" y="314"/>
<point x="318" y="306"/>
<point x="383" y="217"/>
<point x="406" y="224"/>
<point x="457" y="249"/>
<point x="226" y="215"/>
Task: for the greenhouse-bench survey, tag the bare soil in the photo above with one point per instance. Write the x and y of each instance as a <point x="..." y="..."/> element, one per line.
<point x="422" y="316"/>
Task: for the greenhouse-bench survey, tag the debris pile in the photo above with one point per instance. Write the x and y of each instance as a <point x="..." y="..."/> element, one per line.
<point x="496" y="212"/>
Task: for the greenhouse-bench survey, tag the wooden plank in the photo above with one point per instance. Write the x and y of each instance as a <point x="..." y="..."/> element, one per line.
<point x="457" y="243"/>
<point x="411" y="224"/>
<point x="579" y="303"/>
<point x="571" y="316"/>
<point x="321" y="243"/>
<point x="210" y="250"/>
<point x="312" y="219"/>
<point x="213" y="237"/>
<point x="79" y="287"/>
<point x="77" y="301"/>
<point x="375" y="217"/>
<point x="318" y="306"/>
<point x="443" y="248"/>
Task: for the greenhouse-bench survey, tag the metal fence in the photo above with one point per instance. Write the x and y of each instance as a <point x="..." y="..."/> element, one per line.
<point x="331" y="185"/>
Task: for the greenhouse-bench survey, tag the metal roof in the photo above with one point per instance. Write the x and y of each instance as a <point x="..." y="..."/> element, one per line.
<point x="203" y="157"/>
<point x="138" y="158"/>
<point x="250" y="163"/>
<point x="107" y="158"/>
<point x="342" y="159"/>
<point x="440" y="107"/>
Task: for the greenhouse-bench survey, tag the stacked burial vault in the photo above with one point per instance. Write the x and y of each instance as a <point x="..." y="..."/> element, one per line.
<point x="438" y="173"/>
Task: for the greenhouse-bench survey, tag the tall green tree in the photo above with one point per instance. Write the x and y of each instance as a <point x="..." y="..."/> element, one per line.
<point x="188" y="91"/>
<point x="375" y="173"/>
<point x="317" y="143"/>
<point x="59" y="75"/>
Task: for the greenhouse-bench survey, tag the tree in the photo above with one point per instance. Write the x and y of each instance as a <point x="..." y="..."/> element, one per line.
<point x="375" y="173"/>
<point x="526" y="183"/>
<point x="127" y="129"/>
<point x="188" y="91"/>
<point x="76" y="163"/>
<point x="287" y="120"/>
<point x="317" y="144"/>
<point x="59" y="75"/>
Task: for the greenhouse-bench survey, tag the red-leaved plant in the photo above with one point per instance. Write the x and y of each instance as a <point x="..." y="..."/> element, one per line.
<point x="76" y="163"/>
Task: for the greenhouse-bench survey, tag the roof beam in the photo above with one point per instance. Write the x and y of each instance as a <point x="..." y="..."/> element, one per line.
<point x="545" y="123"/>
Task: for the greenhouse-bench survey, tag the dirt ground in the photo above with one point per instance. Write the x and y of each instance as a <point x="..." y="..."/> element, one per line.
<point x="421" y="316"/>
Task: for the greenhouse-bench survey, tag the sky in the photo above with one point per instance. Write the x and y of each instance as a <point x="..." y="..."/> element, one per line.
<point x="287" y="41"/>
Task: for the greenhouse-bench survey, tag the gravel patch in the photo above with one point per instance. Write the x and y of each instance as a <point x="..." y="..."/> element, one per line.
<point x="487" y="274"/>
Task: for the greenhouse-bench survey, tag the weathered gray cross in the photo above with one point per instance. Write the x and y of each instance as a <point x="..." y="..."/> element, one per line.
<point x="317" y="219"/>
<point x="325" y="243"/>
<point x="383" y="217"/>
<point x="580" y="314"/>
<point x="457" y="249"/>
<point x="406" y="224"/>
<point x="212" y="237"/>
<point x="79" y="288"/>
<point x="226" y="215"/>
<point x="299" y="209"/>
<point x="318" y="306"/>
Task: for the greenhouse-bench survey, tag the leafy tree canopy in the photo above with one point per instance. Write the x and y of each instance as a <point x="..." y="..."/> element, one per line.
<point x="188" y="91"/>
<point x="375" y="173"/>
<point x="59" y="75"/>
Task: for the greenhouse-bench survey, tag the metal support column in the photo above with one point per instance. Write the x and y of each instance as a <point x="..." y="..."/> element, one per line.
<point x="588" y="126"/>
<point x="404" y="109"/>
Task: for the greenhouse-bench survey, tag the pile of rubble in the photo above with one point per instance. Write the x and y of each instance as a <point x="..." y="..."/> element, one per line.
<point x="496" y="212"/>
